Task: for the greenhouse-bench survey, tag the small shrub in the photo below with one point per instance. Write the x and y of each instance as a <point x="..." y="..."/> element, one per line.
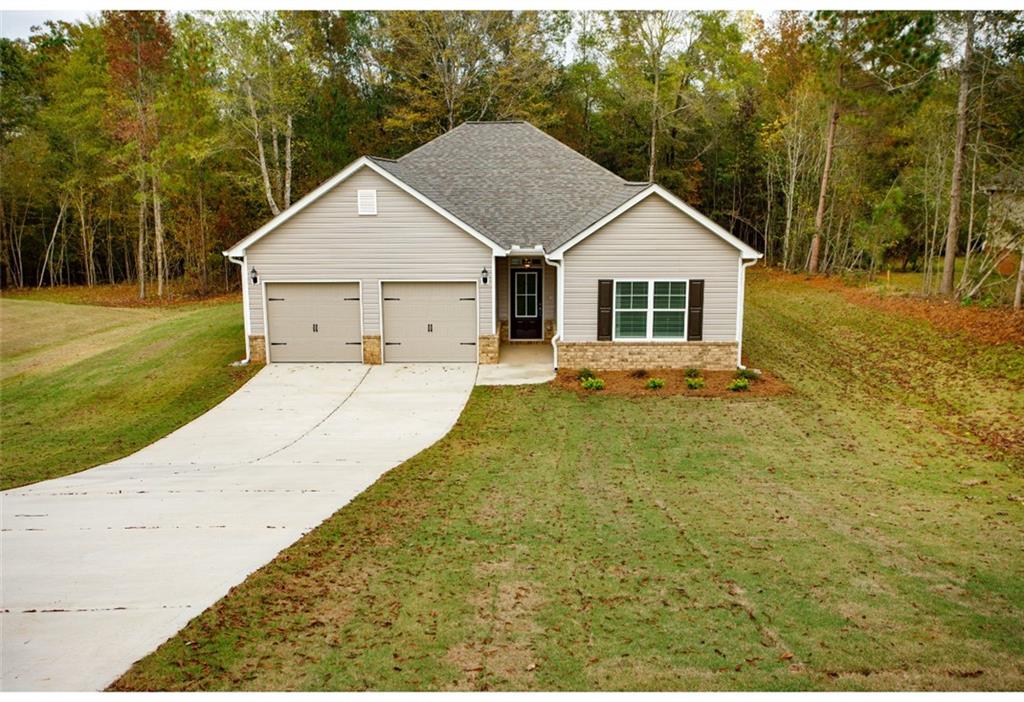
<point x="639" y="374"/>
<point x="584" y="374"/>
<point x="748" y="374"/>
<point x="592" y="384"/>
<point x="695" y="383"/>
<point x="692" y="372"/>
<point x="739" y="385"/>
<point x="655" y="384"/>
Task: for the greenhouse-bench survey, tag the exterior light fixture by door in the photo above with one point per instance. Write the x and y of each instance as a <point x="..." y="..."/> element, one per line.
<point x="483" y="276"/>
<point x="254" y="276"/>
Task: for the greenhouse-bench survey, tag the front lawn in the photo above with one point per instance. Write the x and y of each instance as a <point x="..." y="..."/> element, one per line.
<point x="863" y="532"/>
<point x="81" y="385"/>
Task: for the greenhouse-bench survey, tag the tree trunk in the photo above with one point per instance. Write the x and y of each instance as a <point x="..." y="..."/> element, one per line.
<point x="974" y="183"/>
<point x="288" y="164"/>
<point x="88" y="267"/>
<point x="819" y="216"/>
<point x="259" y="150"/>
<point x="140" y="263"/>
<point x="1019" y="291"/>
<point x="48" y="257"/>
<point x="654" y="121"/>
<point x="953" y="226"/>
<point x="158" y="237"/>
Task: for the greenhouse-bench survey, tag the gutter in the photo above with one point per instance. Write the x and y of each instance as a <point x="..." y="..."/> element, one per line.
<point x="742" y="306"/>
<point x="557" y="336"/>
<point x="240" y="261"/>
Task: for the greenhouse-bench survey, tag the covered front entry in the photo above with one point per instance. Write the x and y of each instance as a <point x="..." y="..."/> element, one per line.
<point x="314" y="322"/>
<point x="429" y="322"/>
<point x="527" y="317"/>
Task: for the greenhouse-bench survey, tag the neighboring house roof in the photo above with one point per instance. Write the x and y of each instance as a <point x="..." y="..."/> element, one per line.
<point x="509" y="183"/>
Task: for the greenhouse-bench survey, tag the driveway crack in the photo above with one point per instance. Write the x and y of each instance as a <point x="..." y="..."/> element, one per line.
<point x="317" y="425"/>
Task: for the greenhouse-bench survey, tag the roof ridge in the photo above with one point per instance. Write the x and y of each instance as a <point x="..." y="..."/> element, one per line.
<point x="439" y="136"/>
<point x="382" y="158"/>
<point x="575" y="153"/>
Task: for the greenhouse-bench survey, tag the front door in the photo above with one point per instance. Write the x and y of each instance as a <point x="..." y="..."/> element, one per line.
<point x="527" y="317"/>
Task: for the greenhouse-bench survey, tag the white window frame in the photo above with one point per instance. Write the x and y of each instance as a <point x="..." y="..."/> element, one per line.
<point x="535" y="294"/>
<point x="649" y="311"/>
<point x="369" y="207"/>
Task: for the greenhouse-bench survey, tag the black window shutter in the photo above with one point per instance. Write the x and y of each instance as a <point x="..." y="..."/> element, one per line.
<point x="604" y="310"/>
<point x="695" y="312"/>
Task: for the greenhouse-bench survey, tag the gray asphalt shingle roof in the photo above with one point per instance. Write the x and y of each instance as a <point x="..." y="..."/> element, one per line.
<point x="512" y="182"/>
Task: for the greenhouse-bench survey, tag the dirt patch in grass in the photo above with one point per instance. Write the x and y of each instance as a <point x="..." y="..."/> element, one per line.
<point x="987" y="325"/>
<point x="716" y="384"/>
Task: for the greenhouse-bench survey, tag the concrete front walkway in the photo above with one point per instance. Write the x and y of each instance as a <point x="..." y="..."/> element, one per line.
<point x="520" y="363"/>
<point x="102" y="566"/>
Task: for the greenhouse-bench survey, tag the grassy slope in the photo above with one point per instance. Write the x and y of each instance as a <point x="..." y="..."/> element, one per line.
<point x="84" y="385"/>
<point x="849" y="536"/>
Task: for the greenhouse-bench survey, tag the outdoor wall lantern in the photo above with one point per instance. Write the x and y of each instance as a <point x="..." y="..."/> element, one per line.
<point x="254" y="276"/>
<point x="483" y="275"/>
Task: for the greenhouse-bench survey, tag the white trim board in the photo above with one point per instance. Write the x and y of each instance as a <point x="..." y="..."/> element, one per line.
<point x="314" y="195"/>
<point x="745" y="251"/>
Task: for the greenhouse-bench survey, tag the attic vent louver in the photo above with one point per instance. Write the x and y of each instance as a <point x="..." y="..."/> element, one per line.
<point x="367" y="202"/>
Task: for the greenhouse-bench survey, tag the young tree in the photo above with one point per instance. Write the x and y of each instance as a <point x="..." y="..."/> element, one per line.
<point x="267" y="75"/>
<point x="953" y="224"/>
<point x="138" y="45"/>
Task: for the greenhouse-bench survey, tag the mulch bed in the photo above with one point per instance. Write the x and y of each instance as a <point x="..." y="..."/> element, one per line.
<point x="623" y="384"/>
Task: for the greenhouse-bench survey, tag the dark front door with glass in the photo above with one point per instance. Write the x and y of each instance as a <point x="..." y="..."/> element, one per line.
<point x="527" y="318"/>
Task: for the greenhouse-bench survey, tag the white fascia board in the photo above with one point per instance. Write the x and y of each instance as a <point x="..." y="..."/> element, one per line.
<point x="746" y="252"/>
<point x="311" y="197"/>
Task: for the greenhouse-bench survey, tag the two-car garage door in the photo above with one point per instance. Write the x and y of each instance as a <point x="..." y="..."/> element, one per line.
<point x="422" y="322"/>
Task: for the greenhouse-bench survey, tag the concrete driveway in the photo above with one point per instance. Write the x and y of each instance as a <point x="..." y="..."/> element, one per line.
<point x="100" y="567"/>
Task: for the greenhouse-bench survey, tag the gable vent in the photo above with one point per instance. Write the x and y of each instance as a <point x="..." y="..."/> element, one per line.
<point x="367" y="200"/>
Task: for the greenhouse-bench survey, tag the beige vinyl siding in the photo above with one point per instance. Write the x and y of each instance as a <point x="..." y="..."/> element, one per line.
<point x="550" y="287"/>
<point x="650" y="241"/>
<point x="405" y="240"/>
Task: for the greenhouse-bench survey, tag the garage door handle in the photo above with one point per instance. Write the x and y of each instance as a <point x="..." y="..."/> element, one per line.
<point x="316" y="328"/>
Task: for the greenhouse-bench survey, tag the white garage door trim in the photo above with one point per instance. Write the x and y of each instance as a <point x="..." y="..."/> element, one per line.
<point x="380" y="306"/>
<point x="266" y="319"/>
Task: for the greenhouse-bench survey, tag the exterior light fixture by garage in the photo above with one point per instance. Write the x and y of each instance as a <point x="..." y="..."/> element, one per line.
<point x="254" y="276"/>
<point x="483" y="276"/>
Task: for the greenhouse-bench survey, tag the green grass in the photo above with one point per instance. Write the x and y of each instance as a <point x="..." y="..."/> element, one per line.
<point x="857" y="534"/>
<point x="82" y="385"/>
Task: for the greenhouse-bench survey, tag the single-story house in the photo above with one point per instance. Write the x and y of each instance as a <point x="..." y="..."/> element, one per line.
<point x="493" y="233"/>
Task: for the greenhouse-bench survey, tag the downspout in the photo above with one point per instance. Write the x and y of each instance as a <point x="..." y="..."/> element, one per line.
<point x="558" y="312"/>
<point x="245" y="306"/>
<point x="739" y="311"/>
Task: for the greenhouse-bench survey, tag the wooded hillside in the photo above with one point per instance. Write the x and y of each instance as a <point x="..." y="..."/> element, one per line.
<point x="138" y="145"/>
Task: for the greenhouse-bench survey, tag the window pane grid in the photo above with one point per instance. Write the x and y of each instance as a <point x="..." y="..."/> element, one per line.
<point x="650" y="309"/>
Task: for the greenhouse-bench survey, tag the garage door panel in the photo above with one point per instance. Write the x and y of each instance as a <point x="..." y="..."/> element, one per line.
<point x="314" y="322"/>
<point x="430" y="322"/>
